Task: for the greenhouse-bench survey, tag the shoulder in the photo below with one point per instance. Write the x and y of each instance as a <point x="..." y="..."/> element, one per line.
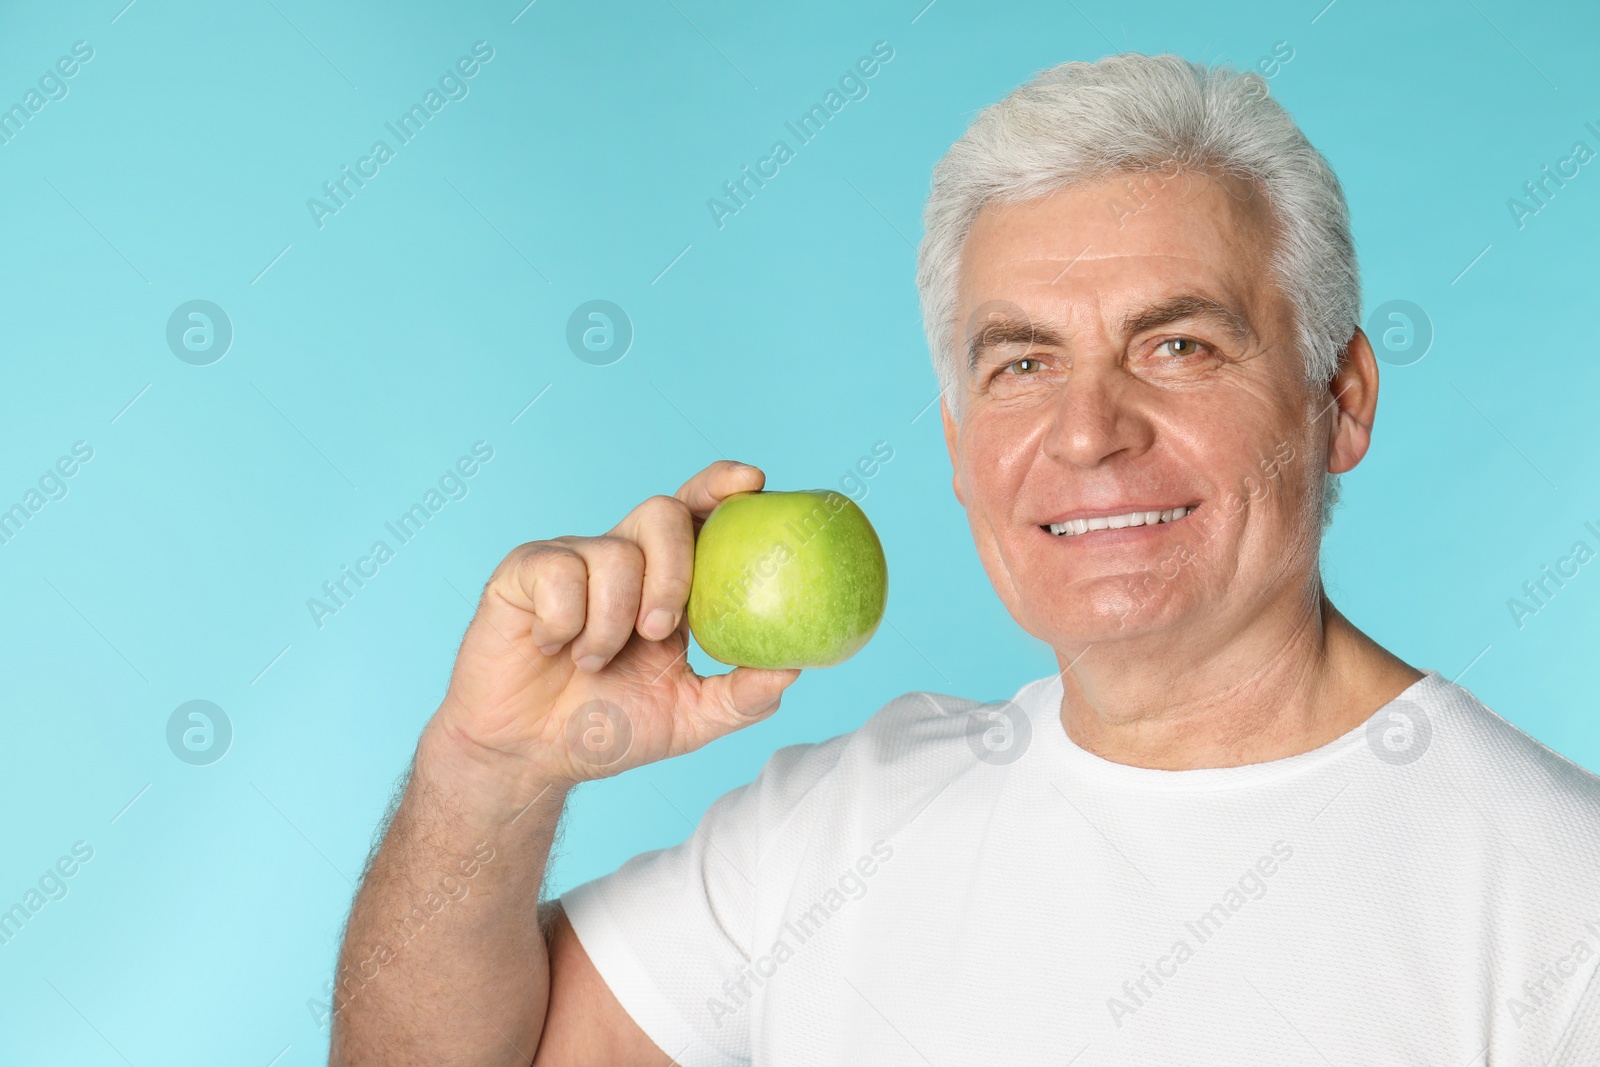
<point x="915" y="743"/>
<point x="902" y="731"/>
<point x="1530" y="811"/>
<point x="920" y="734"/>
<point x="1491" y="756"/>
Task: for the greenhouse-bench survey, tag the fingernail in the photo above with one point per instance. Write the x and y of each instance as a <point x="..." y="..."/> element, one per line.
<point x="592" y="664"/>
<point x="550" y="650"/>
<point x="659" y="623"/>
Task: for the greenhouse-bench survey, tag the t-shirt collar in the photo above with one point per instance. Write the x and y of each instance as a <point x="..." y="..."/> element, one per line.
<point x="1056" y="753"/>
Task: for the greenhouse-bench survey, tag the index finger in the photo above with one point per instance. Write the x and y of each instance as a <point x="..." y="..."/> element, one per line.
<point x="722" y="479"/>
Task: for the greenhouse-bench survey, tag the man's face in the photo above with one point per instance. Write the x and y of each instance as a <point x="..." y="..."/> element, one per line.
<point x="1135" y="359"/>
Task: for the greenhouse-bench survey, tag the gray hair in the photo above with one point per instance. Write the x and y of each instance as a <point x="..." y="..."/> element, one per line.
<point x="1083" y="122"/>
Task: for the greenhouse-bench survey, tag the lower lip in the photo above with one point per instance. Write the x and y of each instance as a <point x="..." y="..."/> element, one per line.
<point x="1126" y="535"/>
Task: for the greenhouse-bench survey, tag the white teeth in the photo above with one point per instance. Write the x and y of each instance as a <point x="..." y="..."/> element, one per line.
<point x="1073" y="527"/>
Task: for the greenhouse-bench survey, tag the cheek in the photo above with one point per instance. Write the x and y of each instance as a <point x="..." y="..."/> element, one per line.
<point x="1272" y="499"/>
<point x="994" y="464"/>
<point x="984" y="494"/>
<point x="1235" y="455"/>
<point x="996" y="451"/>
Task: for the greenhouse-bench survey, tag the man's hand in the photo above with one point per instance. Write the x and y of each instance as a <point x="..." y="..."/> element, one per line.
<point x="575" y="666"/>
<point x="572" y="669"/>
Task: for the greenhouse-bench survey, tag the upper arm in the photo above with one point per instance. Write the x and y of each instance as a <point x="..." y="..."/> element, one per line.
<point x="584" y="1025"/>
<point x="668" y="926"/>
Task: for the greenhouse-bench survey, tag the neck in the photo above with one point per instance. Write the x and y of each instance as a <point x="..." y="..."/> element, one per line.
<point x="1299" y="678"/>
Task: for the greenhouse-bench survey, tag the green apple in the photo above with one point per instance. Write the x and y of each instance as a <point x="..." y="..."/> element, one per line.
<point x="787" y="579"/>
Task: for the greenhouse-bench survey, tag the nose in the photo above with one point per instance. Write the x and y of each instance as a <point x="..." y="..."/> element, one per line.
<point x="1096" y="416"/>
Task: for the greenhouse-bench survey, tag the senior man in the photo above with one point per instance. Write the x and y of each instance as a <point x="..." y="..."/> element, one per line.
<point x="1231" y="830"/>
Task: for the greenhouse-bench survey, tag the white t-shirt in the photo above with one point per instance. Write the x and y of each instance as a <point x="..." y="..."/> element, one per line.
<point x="958" y="883"/>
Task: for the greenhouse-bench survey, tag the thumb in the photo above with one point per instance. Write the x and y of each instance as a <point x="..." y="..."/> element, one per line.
<point x="746" y="694"/>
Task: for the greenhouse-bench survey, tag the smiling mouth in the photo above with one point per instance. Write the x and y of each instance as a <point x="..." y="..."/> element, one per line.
<point x="1074" y="527"/>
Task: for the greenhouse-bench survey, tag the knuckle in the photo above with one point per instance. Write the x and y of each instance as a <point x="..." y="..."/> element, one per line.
<point x="618" y="552"/>
<point x="516" y="559"/>
<point x="616" y="584"/>
<point x="563" y="605"/>
<point x="550" y="561"/>
<point x="612" y="608"/>
<point x="666" y="509"/>
<point x="669" y="587"/>
<point x="562" y="624"/>
<point x="728" y="707"/>
<point x="565" y="546"/>
<point x="534" y="551"/>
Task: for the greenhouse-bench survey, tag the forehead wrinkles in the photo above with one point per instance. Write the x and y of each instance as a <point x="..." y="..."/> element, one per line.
<point x="1079" y="269"/>
<point x="1222" y="222"/>
<point x="1054" y="315"/>
<point x="1111" y="295"/>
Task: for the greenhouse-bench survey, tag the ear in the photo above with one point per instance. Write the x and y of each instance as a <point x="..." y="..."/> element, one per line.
<point x="1353" y="396"/>
<point x="951" y="431"/>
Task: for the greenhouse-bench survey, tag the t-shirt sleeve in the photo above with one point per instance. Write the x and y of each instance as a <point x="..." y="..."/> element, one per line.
<point x="670" y="927"/>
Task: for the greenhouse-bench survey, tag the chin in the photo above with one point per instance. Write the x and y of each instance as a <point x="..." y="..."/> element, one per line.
<point x="1096" y="611"/>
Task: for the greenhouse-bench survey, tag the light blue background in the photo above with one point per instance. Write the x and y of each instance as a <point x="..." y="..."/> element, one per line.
<point x="371" y="353"/>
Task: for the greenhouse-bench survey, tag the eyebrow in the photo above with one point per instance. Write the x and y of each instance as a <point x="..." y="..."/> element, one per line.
<point x="1187" y="307"/>
<point x="1009" y="331"/>
<point x="1013" y="331"/>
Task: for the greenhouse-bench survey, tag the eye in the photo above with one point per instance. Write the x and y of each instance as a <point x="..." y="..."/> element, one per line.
<point x="1023" y="367"/>
<point x="1180" y="347"/>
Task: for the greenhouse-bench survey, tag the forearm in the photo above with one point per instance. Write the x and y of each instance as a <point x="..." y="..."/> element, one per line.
<point x="443" y="959"/>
